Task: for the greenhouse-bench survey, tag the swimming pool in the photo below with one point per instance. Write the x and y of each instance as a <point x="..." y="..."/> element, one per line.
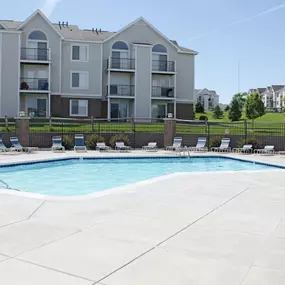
<point x="71" y="177"/>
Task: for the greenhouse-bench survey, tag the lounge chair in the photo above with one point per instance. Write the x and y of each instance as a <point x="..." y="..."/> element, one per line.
<point x="15" y="145"/>
<point x="57" y="144"/>
<point x="200" y="146"/>
<point x="177" y="144"/>
<point x="121" y="146"/>
<point x="247" y="148"/>
<point x="3" y="148"/>
<point x="268" y="149"/>
<point x="224" y="147"/>
<point x="101" y="146"/>
<point x="79" y="145"/>
<point x="152" y="146"/>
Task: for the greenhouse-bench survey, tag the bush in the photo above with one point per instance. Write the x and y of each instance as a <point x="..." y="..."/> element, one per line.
<point x="218" y="113"/>
<point x="227" y="108"/>
<point x="119" y="138"/>
<point x="67" y="142"/>
<point x="253" y="141"/>
<point x="92" y="140"/>
<point x="215" y="142"/>
<point x="203" y="118"/>
<point x="199" y="108"/>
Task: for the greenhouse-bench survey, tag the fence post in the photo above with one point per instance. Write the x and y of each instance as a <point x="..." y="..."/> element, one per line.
<point x="208" y="134"/>
<point x="92" y="124"/>
<point x="22" y="125"/>
<point x="169" y="131"/>
<point x="6" y="122"/>
<point x="134" y="132"/>
<point x="245" y="131"/>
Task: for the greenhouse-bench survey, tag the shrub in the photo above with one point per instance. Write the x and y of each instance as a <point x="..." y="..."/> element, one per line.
<point x="218" y="113"/>
<point x="227" y="108"/>
<point x="199" y="108"/>
<point x="253" y="141"/>
<point x="67" y="142"/>
<point x="203" y="118"/>
<point x="119" y="137"/>
<point x="215" y="142"/>
<point x="92" y="140"/>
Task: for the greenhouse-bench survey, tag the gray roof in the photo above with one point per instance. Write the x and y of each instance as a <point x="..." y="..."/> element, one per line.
<point x="277" y="87"/>
<point x="261" y="90"/>
<point x="73" y="32"/>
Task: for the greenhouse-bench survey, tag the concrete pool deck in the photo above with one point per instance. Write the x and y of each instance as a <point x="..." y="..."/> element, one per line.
<point x="197" y="228"/>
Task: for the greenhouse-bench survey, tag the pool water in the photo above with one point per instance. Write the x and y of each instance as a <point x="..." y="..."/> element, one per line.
<point x="83" y="176"/>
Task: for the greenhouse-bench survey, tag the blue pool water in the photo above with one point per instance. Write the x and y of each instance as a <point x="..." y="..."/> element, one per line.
<point x="79" y="177"/>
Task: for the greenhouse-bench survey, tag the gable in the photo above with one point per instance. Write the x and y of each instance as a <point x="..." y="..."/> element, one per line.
<point x="2" y="26"/>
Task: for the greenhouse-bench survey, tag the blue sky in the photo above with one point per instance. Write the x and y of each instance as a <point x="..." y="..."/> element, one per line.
<point x="204" y="25"/>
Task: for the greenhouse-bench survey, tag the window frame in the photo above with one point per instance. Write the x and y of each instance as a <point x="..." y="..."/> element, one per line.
<point x="158" y="103"/>
<point x="79" y="45"/>
<point x="80" y="72"/>
<point x="77" y="115"/>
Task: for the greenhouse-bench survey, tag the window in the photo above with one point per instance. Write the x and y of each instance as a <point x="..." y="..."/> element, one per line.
<point x="159" y="48"/>
<point x="37" y="36"/>
<point x="79" y="108"/>
<point x="80" y="80"/>
<point x="120" y="45"/>
<point x="158" y="111"/>
<point x="79" y="52"/>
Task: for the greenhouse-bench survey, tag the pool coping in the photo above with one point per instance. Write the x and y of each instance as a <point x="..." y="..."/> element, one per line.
<point x="133" y="186"/>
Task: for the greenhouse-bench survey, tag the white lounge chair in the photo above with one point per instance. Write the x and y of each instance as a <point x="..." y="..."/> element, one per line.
<point x="57" y="144"/>
<point x="200" y="146"/>
<point x="152" y="146"/>
<point x="79" y="145"/>
<point x="177" y="144"/>
<point x="15" y="145"/>
<point x="3" y="148"/>
<point x="121" y="146"/>
<point x="101" y="146"/>
<point x="246" y="149"/>
<point x="224" y="147"/>
<point x="268" y="149"/>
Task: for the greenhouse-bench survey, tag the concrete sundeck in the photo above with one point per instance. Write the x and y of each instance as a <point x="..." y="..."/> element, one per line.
<point x="219" y="228"/>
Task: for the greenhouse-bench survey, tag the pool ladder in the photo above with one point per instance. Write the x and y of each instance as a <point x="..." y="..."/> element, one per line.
<point x="7" y="186"/>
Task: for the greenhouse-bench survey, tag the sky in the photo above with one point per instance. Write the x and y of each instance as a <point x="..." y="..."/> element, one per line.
<point x="226" y="33"/>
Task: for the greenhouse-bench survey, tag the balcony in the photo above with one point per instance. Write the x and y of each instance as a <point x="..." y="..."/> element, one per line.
<point x="161" y="66"/>
<point x="122" y="64"/>
<point x="121" y="90"/>
<point x="162" y="92"/>
<point x="35" y="55"/>
<point x="34" y="84"/>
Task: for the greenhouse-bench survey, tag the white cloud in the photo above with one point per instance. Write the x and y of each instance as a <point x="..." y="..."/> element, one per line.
<point x="49" y="6"/>
<point x="266" y="12"/>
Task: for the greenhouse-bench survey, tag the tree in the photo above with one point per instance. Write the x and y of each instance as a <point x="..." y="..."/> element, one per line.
<point x="240" y="97"/>
<point x="254" y="107"/>
<point x="235" y="110"/>
<point x="227" y="108"/>
<point x="218" y="113"/>
<point x="199" y="108"/>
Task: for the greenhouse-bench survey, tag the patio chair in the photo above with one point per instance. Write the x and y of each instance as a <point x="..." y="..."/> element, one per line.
<point x="247" y="149"/>
<point x="177" y="144"/>
<point x="101" y="146"/>
<point x="3" y="148"/>
<point x="268" y="149"/>
<point x="200" y="146"/>
<point x="15" y="145"/>
<point x="79" y="145"/>
<point x="224" y="147"/>
<point x="121" y="146"/>
<point x="57" y="144"/>
<point x="152" y="146"/>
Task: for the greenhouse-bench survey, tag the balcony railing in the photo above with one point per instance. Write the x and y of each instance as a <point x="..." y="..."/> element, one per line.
<point x="122" y="90"/>
<point x="121" y="63"/>
<point x="163" y="66"/>
<point x="35" y="54"/>
<point x="160" y="91"/>
<point x="34" y="84"/>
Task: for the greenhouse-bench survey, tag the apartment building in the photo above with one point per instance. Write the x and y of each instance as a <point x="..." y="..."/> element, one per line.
<point x="208" y="98"/>
<point x="272" y="96"/>
<point x="60" y="70"/>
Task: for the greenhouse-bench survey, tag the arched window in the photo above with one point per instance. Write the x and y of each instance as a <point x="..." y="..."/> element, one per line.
<point x="159" y="48"/>
<point x="37" y="36"/>
<point x="120" y="45"/>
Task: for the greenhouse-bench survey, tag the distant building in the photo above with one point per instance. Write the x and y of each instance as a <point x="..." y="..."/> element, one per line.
<point x="208" y="98"/>
<point x="272" y="96"/>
